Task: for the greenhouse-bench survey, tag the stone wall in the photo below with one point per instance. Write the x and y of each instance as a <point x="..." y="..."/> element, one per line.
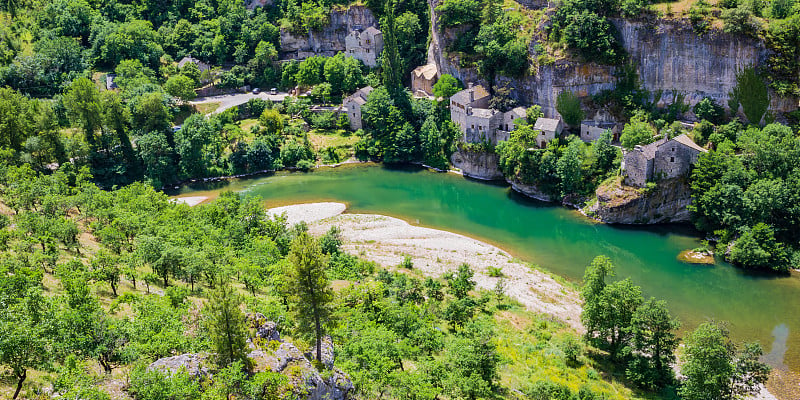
<point x="477" y="164"/>
<point x="331" y="39"/>
<point x="673" y="160"/>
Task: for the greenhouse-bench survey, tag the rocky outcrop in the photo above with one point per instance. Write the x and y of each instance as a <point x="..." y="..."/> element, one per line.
<point x="329" y="40"/>
<point x="477" y="164"/>
<point x="197" y="365"/>
<point x="620" y="204"/>
<point x="669" y="57"/>
<point x="269" y="354"/>
<point x="531" y="191"/>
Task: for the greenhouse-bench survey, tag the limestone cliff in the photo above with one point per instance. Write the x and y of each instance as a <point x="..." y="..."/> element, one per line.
<point x="329" y="40"/>
<point x="619" y="204"/>
<point x="667" y="54"/>
<point x="477" y="164"/>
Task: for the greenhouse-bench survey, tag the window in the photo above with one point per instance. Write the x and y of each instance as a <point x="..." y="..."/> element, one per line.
<point x="367" y="51"/>
<point x="673" y="149"/>
<point x="367" y="41"/>
<point x="473" y="126"/>
<point x="672" y="159"/>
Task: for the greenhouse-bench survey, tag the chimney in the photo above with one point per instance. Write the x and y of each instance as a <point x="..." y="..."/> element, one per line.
<point x="471" y="94"/>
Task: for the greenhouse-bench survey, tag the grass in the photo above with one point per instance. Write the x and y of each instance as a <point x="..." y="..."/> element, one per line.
<point x="321" y="139"/>
<point x="206" y="108"/>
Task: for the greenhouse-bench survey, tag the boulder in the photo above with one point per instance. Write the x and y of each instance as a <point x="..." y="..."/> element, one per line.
<point x="264" y="329"/>
<point x="196" y="364"/>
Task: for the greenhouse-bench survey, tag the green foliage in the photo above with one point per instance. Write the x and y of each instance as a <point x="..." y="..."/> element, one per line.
<point x="652" y="346"/>
<point x="699" y="16"/>
<point x="637" y="132"/>
<point x="461" y="282"/>
<point x="739" y="20"/>
<point x="307" y="286"/>
<point x="227" y="325"/>
<point x="458" y="12"/>
<point x="750" y="195"/>
<point x="569" y="106"/>
<point x="180" y="86"/>
<point x="446" y="87"/>
<point x="709" y="110"/>
<point x="751" y="92"/>
<point x="715" y="369"/>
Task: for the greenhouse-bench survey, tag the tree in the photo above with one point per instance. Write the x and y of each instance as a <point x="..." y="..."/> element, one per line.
<point x="709" y="110"/>
<point x="637" y="132"/>
<point x="751" y="92"/>
<point x="308" y="287"/>
<point x="757" y="248"/>
<point x="714" y="370"/>
<point x="461" y="283"/>
<point x="180" y="86"/>
<point x="272" y="121"/>
<point x="82" y="101"/>
<point x="471" y="362"/>
<point x="392" y="68"/>
<point x="569" y="106"/>
<point x="608" y="309"/>
<point x="652" y="346"/>
<point x="105" y="267"/>
<point x="150" y="113"/>
<point x="157" y="156"/>
<point x="227" y="326"/>
<point x="568" y="168"/>
<point x="23" y="344"/>
<point x="446" y="87"/>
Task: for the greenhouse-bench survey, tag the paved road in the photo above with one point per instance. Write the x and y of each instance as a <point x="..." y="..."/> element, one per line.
<point x="227" y="101"/>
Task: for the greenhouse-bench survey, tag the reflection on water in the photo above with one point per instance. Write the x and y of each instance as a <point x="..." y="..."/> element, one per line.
<point x="775" y="356"/>
<point x="559" y="240"/>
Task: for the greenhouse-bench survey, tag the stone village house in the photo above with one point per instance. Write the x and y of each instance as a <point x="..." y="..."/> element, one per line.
<point x="422" y="80"/>
<point x="662" y="159"/>
<point x="353" y="104"/>
<point x="469" y="109"/>
<point x="549" y="128"/>
<point x="365" y="45"/>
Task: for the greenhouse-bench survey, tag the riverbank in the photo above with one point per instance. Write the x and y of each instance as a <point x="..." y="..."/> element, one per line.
<point x="388" y="240"/>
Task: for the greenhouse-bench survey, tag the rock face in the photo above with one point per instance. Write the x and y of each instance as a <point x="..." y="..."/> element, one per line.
<point x="330" y="39"/>
<point x="197" y="365"/>
<point x="530" y="191"/>
<point x="618" y="204"/>
<point x="668" y="57"/>
<point x="477" y="164"/>
<point x="269" y="354"/>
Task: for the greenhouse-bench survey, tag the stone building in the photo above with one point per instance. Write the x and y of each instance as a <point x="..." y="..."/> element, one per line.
<point x="365" y="45"/>
<point x="469" y="109"/>
<point x="550" y="129"/>
<point x="353" y="104"/>
<point x="592" y="130"/>
<point x="422" y="80"/>
<point x="189" y="59"/>
<point x="662" y="159"/>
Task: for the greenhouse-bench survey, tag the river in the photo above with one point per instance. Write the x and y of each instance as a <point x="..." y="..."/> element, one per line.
<point x="757" y="306"/>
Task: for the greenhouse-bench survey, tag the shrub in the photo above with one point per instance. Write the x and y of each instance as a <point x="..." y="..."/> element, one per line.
<point x="305" y="165"/>
<point x="739" y="20"/>
<point x="407" y="263"/>
<point x="495" y="272"/>
<point x="569" y="106"/>
<point x="709" y="110"/>
<point x="545" y="390"/>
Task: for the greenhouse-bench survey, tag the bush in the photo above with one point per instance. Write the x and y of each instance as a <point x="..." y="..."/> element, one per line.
<point x="739" y="20"/>
<point x="495" y="272"/>
<point x="458" y="12"/>
<point x="698" y="15"/>
<point x="407" y="262"/>
<point x="176" y="295"/>
<point x="592" y="36"/>
<point x="545" y="390"/>
<point x="709" y="110"/>
<point x="305" y="165"/>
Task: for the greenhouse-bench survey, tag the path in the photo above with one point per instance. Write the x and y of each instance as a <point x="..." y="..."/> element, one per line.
<point x="227" y="101"/>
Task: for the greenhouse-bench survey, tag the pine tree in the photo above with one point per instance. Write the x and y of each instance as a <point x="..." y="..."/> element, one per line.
<point x="227" y="325"/>
<point x="392" y="68"/>
<point x="308" y="288"/>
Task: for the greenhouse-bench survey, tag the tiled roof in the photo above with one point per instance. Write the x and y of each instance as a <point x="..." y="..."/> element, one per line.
<point x="546" y="124"/>
<point x="426" y="71"/>
<point x="462" y="97"/>
<point x="685" y="140"/>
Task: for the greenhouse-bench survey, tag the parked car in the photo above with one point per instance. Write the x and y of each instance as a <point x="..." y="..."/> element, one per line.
<point x="256" y="91"/>
<point x="273" y="91"/>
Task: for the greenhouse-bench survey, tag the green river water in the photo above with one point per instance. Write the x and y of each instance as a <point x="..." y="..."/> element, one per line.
<point x="758" y="307"/>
